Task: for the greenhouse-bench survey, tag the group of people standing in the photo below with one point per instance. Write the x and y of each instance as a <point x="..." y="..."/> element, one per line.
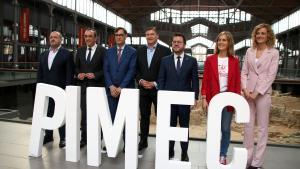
<point x="154" y="67"/>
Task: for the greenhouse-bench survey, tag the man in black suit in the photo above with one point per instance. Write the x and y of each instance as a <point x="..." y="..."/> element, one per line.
<point x="148" y="63"/>
<point x="178" y="72"/>
<point x="89" y="72"/>
<point x="56" y="67"/>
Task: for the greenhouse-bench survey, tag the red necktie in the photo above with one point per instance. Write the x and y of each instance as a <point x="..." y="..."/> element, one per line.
<point x="119" y="54"/>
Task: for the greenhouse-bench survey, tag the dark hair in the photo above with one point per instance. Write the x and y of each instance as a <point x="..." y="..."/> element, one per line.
<point x="152" y="28"/>
<point x="92" y="30"/>
<point x="181" y="35"/>
<point x="121" y="28"/>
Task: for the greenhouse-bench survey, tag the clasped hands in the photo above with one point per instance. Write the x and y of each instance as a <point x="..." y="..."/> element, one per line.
<point x="81" y="76"/>
<point x="249" y="95"/>
<point x="115" y="91"/>
<point x="146" y="84"/>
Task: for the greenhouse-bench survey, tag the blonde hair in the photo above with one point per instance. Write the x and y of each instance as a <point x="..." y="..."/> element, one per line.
<point x="229" y="37"/>
<point x="270" y="35"/>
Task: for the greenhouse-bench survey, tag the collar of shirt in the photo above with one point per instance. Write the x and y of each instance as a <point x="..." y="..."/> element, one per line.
<point x="122" y="47"/>
<point x="181" y="56"/>
<point x="54" y="50"/>
<point x="153" y="47"/>
<point x="92" y="51"/>
<point x="93" y="47"/>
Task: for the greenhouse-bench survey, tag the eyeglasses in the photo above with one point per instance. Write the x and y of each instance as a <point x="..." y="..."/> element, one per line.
<point x="119" y="34"/>
<point x="178" y="42"/>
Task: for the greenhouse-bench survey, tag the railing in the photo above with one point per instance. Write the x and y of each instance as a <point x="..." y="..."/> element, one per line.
<point x="19" y="66"/>
<point x="10" y="71"/>
<point x="27" y="70"/>
<point x="292" y="74"/>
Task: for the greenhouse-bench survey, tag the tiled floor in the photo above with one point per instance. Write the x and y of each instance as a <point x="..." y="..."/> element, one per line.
<point x="14" y="140"/>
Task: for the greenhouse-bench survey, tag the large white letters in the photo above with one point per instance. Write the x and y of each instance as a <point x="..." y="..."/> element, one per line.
<point x="67" y="108"/>
<point x="165" y="133"/>
<point x="97" y="107"/>
<point x="40" y="121"/>
<point x="73" y="114"/>
<point x="215" y="108"/>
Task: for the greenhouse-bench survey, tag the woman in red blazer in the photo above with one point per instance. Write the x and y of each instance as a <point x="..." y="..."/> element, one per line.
<point x="222" y="74"/>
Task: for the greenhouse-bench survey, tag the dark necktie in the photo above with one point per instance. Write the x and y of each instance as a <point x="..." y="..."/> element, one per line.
<point x="178" y="64"/>
<point x="119" y="54"/>
<point x="89" y="55"/>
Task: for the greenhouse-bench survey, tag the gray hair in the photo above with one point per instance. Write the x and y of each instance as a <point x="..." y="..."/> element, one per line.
<point x="59" y="34"/>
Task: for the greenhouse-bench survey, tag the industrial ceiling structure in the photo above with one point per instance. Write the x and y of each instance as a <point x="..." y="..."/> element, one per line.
<point x="236" y="16"/>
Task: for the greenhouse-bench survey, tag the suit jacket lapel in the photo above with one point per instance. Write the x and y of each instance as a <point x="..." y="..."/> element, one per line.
<point x="85" y="53"/>
<point x="252" y="61"/>
<point x="215" y="67"/>
<point x="144" y="57"/>
<point x="230" y="68"/>
<point x="155" y="56"/>
<point x="262" y="59"/>
<point x="123" y="54"/>
<point x="114" y="57"/>
<point x="173" y="66"/>
<point x="95" y="54"/>
<point x="45" y="58"/>
<point x="184" y="63"/>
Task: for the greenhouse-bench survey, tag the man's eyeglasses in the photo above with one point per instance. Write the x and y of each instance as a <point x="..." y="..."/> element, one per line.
<point x="178" y="42"/>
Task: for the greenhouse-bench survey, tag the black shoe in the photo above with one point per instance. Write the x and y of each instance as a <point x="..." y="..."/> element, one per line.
<point x="143" y="145"/>
<point x="184" y="157"/>
<point x="103" y="150"/>
<point x="171" y="154"/>
<point x="251" y="167"/>
<point x="123" y="149"/>
<point x="82" y="143"/>
<point x="47" y="140"/>
<point x="62" y="143"/>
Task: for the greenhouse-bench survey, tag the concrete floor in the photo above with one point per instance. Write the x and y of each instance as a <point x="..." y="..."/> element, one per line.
<point x="14" y="138"/>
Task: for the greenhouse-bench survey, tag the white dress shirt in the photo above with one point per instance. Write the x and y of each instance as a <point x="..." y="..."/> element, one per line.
<point x="181" y="59"/>
<point x="92" y="51"/>
<point x="51" y="56"/>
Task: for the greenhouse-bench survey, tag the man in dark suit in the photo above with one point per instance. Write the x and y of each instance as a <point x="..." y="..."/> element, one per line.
<point x="178" y="72"/>
<point x="147" y="69"/>
<point x="89" y="72"/>
<point x="56" y="67"/>
<point x="119" y="69"/>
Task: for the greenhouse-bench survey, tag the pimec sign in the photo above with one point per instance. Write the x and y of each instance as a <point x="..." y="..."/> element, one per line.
<point x="67" y="110"/>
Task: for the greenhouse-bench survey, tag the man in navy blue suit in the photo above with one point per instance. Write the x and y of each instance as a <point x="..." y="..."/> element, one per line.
<point x="119" y="69"/>
<point x="56" y="67"/>
<point x="178" y="72"/>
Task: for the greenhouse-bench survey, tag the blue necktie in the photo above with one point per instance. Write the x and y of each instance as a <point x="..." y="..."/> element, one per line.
<point x="178" y="64"/>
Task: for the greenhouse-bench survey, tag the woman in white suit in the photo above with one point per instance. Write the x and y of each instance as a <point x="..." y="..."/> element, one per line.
<point x="258" y="73"/>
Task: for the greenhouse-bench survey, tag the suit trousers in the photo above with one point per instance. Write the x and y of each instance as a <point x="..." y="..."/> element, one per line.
<point x="181" y="112"/>
<point x="259" y="112"/>
<point x="113" y="105"/>
<point x="145" y="109"/>
<point x="83" y="112"/>
<point x="50" y="113"/>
